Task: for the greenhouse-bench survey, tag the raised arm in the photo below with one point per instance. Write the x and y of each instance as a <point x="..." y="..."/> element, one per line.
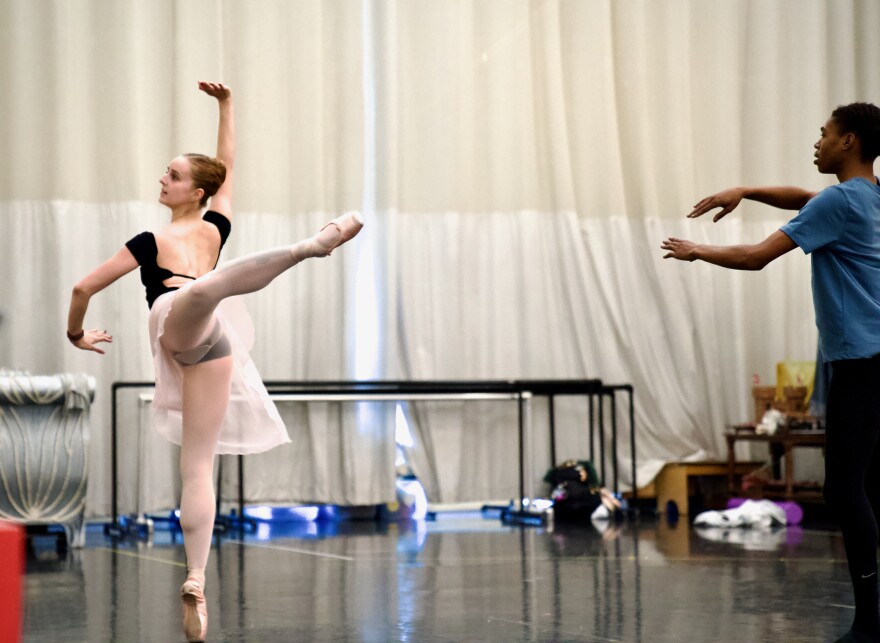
<point x="222" y="201"/>
<point x="119" y="264"/>
<point x="783" y="197"/>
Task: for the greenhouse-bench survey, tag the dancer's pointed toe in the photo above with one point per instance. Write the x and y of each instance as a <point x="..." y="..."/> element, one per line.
<point x="338" y="231"/>
<point x="350" y="224"/>
<point x="195" y="610"/>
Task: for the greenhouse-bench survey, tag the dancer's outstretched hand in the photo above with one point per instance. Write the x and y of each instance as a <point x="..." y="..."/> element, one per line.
<point x="217" y="90"/>
<point x="678" y="249"/>
<point x="726" y="199"/>
<point x="90" y="338"/>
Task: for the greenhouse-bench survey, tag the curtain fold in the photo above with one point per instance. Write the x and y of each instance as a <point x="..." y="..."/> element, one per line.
<point x="588" y="298"/>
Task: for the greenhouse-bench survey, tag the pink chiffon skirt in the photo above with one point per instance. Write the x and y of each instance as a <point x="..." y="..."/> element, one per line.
<point x="251" y="423"/>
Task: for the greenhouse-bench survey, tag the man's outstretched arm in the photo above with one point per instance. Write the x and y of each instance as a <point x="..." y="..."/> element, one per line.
<point x="783" y="197"/>
<point x="741" y="257"/>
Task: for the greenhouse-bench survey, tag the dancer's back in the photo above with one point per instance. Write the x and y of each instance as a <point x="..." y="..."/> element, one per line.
<point x="187" y="247"/>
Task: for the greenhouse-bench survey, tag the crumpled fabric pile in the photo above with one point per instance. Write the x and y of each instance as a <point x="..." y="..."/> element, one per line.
<point x="762" y="514"/>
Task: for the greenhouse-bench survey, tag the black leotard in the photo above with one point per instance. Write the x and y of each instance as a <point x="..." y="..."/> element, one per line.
<point x="144" y="249"/>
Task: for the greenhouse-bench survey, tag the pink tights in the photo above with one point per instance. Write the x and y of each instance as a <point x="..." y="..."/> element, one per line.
<point x="191" y="327"/>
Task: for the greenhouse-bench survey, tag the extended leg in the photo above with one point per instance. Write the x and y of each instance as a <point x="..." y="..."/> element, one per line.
<point x="190" y="320"/>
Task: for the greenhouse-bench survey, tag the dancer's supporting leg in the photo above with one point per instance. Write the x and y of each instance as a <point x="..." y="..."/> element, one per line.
<point x="205" y="397"/>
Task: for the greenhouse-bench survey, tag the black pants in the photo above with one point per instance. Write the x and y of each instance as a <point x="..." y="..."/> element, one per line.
<point x="852" y="459"/>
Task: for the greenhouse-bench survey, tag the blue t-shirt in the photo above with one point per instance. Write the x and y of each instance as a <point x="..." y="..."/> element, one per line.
<point x="840" y="226"/>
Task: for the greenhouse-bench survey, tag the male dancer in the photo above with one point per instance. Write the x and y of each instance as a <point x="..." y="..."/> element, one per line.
<point x="840" y="228"/>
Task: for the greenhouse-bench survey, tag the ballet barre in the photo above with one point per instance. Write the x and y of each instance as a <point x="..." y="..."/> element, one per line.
<point x="594" y="389"/>
<point x="522" y="391"/>
<point x="379" y="394"/>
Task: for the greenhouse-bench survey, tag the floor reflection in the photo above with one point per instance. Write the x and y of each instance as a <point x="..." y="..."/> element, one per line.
<point x="755" y="539"/>
<point x="463" y="577"/>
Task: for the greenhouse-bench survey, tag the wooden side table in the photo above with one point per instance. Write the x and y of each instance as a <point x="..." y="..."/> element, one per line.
<point x="781" y="445"/>
<point x="674" y="482"/>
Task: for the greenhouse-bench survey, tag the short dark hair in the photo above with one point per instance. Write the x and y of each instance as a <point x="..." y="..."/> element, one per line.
<point x="863" y="120"/>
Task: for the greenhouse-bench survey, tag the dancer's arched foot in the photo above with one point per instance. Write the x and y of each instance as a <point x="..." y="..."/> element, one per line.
<point x="195" y="609"/>
<point x="337" y="232"/>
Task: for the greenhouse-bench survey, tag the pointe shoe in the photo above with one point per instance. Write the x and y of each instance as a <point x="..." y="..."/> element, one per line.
<point x="349" y="224"/>
<point x="195" y="610"/>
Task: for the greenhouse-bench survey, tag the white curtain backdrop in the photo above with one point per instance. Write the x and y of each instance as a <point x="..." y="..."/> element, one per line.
<point x="518" y="162"/>
<point x="534" y="157"/>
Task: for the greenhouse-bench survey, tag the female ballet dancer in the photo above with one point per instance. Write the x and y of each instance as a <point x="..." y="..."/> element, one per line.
<point x="209" y="397"/>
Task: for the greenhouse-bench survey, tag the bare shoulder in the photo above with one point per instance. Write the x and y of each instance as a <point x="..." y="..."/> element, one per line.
<point x="187" y="232"/>
<point x="186" y="237"/>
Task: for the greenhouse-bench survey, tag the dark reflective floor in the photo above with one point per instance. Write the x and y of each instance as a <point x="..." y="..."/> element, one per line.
<point x="461" y="578"/>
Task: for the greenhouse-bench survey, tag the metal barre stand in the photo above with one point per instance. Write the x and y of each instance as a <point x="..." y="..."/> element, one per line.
<point x="521" y="390"/>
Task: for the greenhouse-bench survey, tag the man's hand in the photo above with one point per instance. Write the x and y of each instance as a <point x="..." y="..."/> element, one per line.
<point x="679" y="249"/>
<point x="727" y="200"/>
